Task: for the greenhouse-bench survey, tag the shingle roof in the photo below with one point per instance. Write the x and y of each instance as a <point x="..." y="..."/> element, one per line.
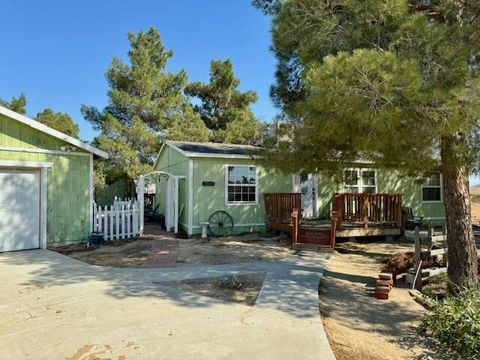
<point x="195" y="149"/>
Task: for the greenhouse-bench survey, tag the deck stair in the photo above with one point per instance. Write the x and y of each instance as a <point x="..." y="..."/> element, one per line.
<point x="314" y="236"/>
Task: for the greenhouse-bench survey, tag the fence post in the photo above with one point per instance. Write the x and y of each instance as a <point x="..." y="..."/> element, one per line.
<point x="111" y="223"/>
<point x="129" y="215"/>
<point x="141" y="199"/>
<point x="105" y="223"/>
<point x="94" y="220"/>
<point x="123" y="222"/>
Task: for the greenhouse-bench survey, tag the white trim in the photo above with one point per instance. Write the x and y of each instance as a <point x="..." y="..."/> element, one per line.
<point x="43" y="151"/>
<point x="43" y="166"/>
<point x="441" y="192"/>
<point x="175" y="204"/>
<point x="29" y="164"/>
<point x="43" y="207"/>
<point x="190" y="196"/>
<point x="219" y="156"/>
<point x="434" y="218"/>
<point x="237" y="203"/>
<point x="360" y="185"/>
<point x="48" y="130"/>
<point x="90" y="165"/>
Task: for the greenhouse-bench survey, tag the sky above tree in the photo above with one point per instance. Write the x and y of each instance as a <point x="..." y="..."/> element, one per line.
<point x="58" y="51"/>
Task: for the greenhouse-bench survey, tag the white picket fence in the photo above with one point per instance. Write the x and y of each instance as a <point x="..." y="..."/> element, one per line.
<point x="120" y="221"/>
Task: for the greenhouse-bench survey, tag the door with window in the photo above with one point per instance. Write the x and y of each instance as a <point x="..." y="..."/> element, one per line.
<point x="306" y="184"/>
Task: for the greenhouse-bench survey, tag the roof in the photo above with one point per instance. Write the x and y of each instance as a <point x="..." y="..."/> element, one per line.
<point x="197" y="149"/>
<point x="52" y="132"/>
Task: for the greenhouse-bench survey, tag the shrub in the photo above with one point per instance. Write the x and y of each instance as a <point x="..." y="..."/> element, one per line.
<point x="455" y="321"/>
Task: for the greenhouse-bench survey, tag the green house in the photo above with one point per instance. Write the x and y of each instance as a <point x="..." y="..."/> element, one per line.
<point x="46" y="185"/>
<point x="195" y="180"/>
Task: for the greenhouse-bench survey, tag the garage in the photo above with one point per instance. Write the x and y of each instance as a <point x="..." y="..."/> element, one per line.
<point x="46" y="185"/>
<point x="19" y="209"/>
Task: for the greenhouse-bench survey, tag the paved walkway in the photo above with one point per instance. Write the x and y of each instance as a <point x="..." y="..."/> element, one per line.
<point x="52" y="306"/>
<point x="164" y="249"/>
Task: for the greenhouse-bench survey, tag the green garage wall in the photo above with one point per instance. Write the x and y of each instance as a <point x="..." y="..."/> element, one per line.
<point x="68" y="194"/>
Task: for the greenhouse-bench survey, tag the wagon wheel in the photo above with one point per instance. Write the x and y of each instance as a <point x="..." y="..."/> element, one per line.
<point x="220" y="223"/>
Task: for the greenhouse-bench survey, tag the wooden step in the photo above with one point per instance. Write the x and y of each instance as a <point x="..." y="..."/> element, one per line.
<point x="313" y="240"/>
<point x="313" y="247"/>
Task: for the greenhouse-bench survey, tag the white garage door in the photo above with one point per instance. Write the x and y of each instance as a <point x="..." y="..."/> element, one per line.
<point x="19" y="209"/>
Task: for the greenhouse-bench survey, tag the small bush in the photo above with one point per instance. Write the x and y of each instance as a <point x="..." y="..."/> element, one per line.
<point x="455" y="321"/>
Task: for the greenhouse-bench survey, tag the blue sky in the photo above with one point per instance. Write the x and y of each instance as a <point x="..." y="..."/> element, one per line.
<point x="57" y="52"/>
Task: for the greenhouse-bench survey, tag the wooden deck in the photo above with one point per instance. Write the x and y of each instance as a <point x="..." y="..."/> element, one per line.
<point x="353" y="215"/>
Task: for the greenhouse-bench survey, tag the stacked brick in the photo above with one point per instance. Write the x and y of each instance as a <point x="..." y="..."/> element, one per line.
<point x="383" y="286"/>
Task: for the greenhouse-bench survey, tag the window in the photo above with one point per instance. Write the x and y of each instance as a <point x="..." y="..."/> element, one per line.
<point x="432" y="188"/>
<point x="241" y="185"/>
<point x="360" y="180"/>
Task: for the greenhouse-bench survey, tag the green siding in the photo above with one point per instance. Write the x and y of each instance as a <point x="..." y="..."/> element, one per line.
<point x="208" y="199"/>
<point x="388" y="181"/>
<point x="174" y="163"/>
<point x="68" y="198"/>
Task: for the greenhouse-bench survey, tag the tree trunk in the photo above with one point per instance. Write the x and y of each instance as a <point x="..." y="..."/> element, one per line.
<point x="462" y="252"/>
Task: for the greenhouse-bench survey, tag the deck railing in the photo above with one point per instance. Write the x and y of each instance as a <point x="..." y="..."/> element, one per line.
<point x="279" y="206"/>
<point x="364" y="209"/>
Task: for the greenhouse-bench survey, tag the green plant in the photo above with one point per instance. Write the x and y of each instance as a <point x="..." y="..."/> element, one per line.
<point x="232" y="282"/>
<point x="455" y="321"/>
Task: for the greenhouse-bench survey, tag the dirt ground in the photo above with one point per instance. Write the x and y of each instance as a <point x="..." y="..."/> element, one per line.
<point x="242" y="289"/>
<point x="230" y="250"/>
<point x="132" y="253"/>
<point x="360" y="326"/>
<point x="190" y="252"/>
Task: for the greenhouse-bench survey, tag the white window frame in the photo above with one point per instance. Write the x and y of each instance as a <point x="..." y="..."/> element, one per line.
<point x="430" y="187"/>
<point x="236" y="203"/>
<point x="360" y="184"/>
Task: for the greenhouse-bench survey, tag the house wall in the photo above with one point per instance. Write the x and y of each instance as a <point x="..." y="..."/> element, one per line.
<point x="208" y="199"/>
<point x="388" y="181"/>
<point x="68" y="193"/>
<point x="173" y="162"/>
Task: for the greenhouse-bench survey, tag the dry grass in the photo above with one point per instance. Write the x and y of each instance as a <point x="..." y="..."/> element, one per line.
<point x="230" y="250"/>
<point x="360" y="326"/>
<point x="126" y="254"/>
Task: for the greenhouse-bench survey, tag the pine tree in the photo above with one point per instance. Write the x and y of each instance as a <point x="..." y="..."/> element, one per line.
<point x="17" y="104"/>
<point x="395" y="82"/>
<point x="146" y="103"/>
<point x="225" y="109"/>
<point x="58" y="121"/>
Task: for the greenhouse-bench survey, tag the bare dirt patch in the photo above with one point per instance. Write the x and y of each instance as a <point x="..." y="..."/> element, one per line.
<point x="360" y="326"/>
<point x="242" y="289"/>
<point x="132" y="253"/>
<point x="230" y="250"/>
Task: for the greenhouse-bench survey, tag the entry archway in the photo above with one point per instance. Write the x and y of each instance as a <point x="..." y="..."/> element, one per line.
<point x="171" y="199"/>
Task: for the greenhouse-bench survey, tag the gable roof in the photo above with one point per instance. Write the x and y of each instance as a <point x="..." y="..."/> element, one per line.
<point x="52" y="132"/>
<point x="215" y="150"/>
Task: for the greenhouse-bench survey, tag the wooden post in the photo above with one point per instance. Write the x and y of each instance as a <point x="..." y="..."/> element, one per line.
<point x="418" y="259"/>
<point x="365" y="211"/>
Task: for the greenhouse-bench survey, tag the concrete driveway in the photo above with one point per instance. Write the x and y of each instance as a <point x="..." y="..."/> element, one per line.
<point x="55" y="307"/>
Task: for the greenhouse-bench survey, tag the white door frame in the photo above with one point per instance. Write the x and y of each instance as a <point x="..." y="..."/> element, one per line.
<point x="313" y="187"/>
<point x="171" y="206"/>
<point x="43" y="167"/>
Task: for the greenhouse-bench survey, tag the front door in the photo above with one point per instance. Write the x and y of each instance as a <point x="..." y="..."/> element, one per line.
<point x="306" y="184"/>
